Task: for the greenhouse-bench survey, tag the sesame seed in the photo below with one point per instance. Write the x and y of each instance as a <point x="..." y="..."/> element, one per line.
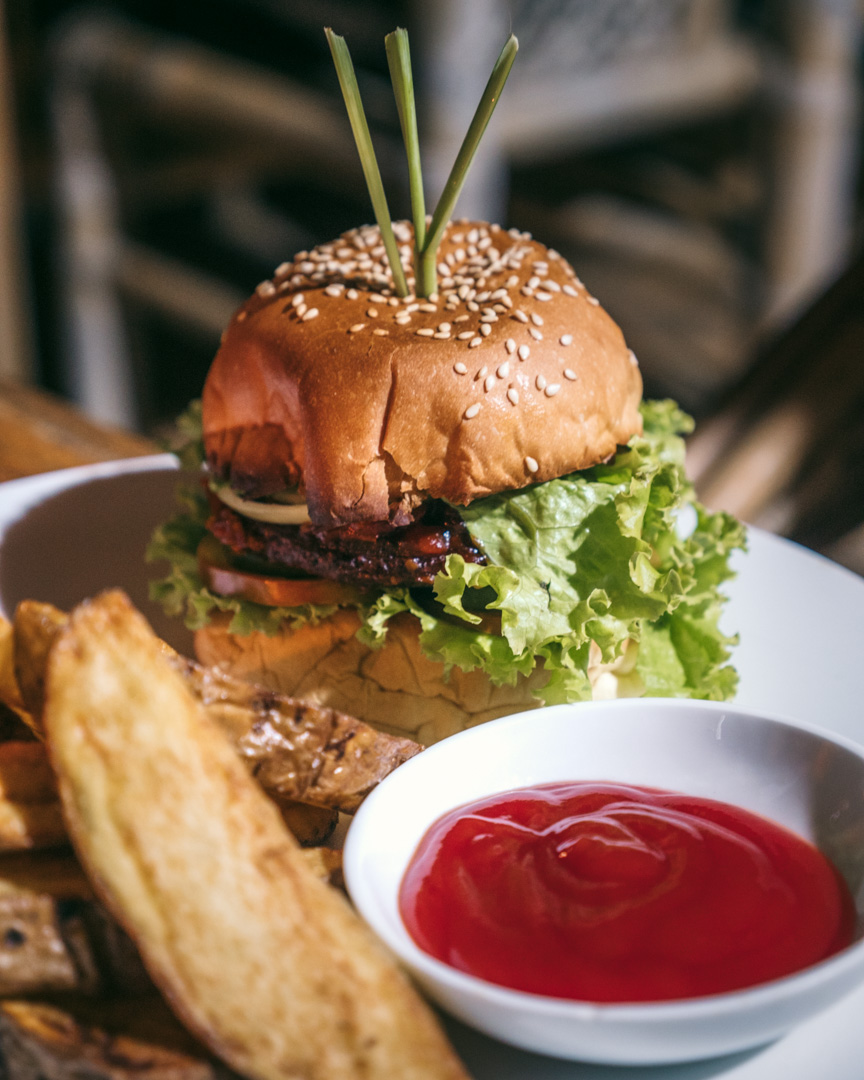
<point x="485" y="329"/>
<point x="334" y="290"/>
<point x="352" y="294"/>
<point x="403" y="318"/>
<point x="510" y="345"/>
<point x="531" y="465"/>
<point x="552" y="389"/>
<point x="445" y="336"/>
<point x="553" y="254"/>
<point x="281" y="269"/>
<point x="536" y="319"/>
<point x="312" y="313"/>
<point x="593" y="300"/>
<point x="503" y="370"/>
<point x="433" y="298"/>
<point x="489" y="383"/>
<point x="460" y="368"/>
<point x="540" y="383"/>
<point x="372" y="312"/>
<point x="465" y="335"/>
<point x="472" y="411"/>
<point x="520" y="315"/>
<point x="513" y="395"/>
<point x="543" y="295"/>
<point x="393" y="301"/>
<point x="297" y="300"/>
<point x="482" y="373"/>
<point x="462" y="318"/>
<point x="498" y="294"/>
<point x="412" y="308"/>
<point x="443" y="327"/>
<point x="266" y="288"/>
<point x="357" y="327"/>
<point x="380" y="332"/>
<point x="535" y="333"/>
<point x="472" y="305"/>
<point x="552" y="286"/>
<point x="566" y="339"/>
<point x="474" y="342"/>
<point x="489" y="317"/>
<point x="524" y="352"/>
<point x="301" y="310"/>
<point x="570" y="374"/>
<point x="533" y="282"/>
<point x="426" y="331"/>
<point x="526" y="290"/>
<point x="512" y="281"/>
<point x="427" y="307"/>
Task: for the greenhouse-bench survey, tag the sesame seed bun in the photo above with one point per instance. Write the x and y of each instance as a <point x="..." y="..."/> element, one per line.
<point x="512" y="375"/>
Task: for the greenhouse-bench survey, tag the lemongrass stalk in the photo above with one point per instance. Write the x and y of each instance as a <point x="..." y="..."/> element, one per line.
<point x="399" y="62"/>
<point x="360" y="128"/>
<point x="458" y="173"/>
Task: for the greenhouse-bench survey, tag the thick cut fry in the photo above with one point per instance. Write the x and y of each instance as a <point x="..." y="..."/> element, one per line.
<point x="43" y="1041"/>
<point x="269" y="966"/>
<point x="55" y="936"/>
<point x="25" y="773"/>
<point x="30" y="815"/>
<point x="10" y="693"/>
<point x="31" y="826"/>
<point x="36" y="626"/>
<point x="296" y="751"/>
<point x="310" y="825"/>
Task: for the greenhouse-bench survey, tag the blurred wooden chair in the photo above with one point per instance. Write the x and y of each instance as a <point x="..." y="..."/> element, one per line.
<point x="15" y="339"/>
<point x="785" y="449"/>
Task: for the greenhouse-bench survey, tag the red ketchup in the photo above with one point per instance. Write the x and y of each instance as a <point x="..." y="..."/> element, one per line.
<point x="605" y="892"/>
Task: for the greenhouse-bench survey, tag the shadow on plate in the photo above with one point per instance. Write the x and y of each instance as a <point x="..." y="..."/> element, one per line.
<point x="487" y="1059"/>
<point x="88" y="538"/>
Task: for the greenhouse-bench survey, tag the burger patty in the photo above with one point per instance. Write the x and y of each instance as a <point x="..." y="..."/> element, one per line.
<point x="363" y="553"/>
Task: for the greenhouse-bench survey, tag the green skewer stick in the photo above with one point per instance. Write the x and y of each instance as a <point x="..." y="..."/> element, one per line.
<point x="399" y="62"/>
<point x="360" y="128"/>
<point x="456" y="179"/>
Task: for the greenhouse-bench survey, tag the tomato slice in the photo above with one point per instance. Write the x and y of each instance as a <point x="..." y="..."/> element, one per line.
<point x="222" y="578"/>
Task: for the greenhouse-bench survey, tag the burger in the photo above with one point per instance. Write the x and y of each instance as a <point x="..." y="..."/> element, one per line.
<point x="430" y="512"/>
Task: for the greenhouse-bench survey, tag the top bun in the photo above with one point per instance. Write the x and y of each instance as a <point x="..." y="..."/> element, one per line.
<point x="512" y="374"/>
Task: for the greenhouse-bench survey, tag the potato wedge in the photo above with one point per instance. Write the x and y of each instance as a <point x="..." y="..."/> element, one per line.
<point x="36" y="626"/>
<point x="265" y="963"/>
<point x="10" y="693"/>
<point x="25" y="773"/>
<point x="296" y="751"/>
<point x="42" y="1041"/>
<point x="30" y="814"/>
<point x="31" y="826"/>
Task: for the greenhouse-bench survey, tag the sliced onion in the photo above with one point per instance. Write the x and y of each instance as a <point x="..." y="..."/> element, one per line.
<point x="273" y="513"/>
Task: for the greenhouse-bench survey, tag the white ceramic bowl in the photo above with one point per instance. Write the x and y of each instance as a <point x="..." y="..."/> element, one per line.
<point x="809" y="781"/>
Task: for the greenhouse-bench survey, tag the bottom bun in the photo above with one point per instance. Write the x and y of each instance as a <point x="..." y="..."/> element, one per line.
<point x="395" y="688"/>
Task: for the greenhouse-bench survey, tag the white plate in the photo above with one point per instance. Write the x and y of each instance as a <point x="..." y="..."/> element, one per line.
<point x="68" y="534"/>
